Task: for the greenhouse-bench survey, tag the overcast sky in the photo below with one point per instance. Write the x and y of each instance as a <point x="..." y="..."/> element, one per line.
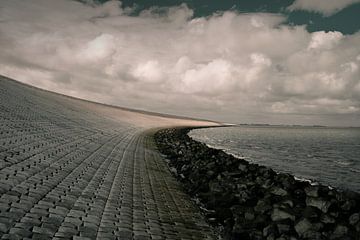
<point x="292" y="62"/>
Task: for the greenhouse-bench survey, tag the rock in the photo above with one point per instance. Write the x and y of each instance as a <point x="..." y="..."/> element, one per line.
<point x="340" y="197"/>
<point x="318" y="203"/>
<point x="334" y="214"/>
<point x="288" y="202"/>
<point x="327" y="219"/>
<point x="311" y="212"/>
<point x="340" y="231"/>
<point x="357" y="227"/>
<point x="303" y="227"/>
<point x="243" y="196"/>
<point x="242" y="167"/>
<point x="249" y="216"/>
<point x="347" y="205"/>
<point x="299" y="193"/>
<point x="256" y="235"/>
<point x="262" y="206"/>
<point x="354" y="219"/>
<point x="174" y="171"/>
<point x="215" y="187"/>
<point x="210" y="173"/>
<point x="278" y="215"/>
<point x="283" y="228"/>
<point x="239" y="232"/>
<point x="270" y="229"/>
<point x="279" y="191"/>
<point x="312" y="191"/>
<point x="271" y="237"/>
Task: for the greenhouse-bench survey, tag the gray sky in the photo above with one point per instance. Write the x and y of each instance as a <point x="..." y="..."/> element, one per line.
<point x="230" y="65"/>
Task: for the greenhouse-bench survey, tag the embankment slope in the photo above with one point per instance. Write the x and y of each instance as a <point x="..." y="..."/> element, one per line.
<point x="74" y="169"/>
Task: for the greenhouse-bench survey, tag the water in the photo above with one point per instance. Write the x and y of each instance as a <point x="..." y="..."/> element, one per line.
<point x="327" y="155"/>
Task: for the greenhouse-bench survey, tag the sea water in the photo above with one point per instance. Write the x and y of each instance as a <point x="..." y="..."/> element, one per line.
<point x="330" y="156"/>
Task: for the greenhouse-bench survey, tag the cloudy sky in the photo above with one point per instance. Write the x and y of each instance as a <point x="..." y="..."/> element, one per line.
<point x="288" y="62"/>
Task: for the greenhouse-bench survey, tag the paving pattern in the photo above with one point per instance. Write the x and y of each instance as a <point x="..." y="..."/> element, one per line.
<point x="69" y="173"/>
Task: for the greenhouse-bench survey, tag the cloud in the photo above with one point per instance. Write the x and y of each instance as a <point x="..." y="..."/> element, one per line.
<point x="228" y="66"/>
<point x="324" y="40"/>
<point x="149" y="71"/>
<point x="325" y="7"/>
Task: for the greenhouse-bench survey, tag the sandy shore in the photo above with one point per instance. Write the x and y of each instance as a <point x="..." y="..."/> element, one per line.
<point x="73" y="169"/>
<point x="248" y="201"/>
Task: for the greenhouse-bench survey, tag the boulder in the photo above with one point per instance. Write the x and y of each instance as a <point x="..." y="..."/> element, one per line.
<point x="268" y="230"/>
<point x="288" y="202"/>
<point x="319" y="203"/>
<point x="347" y="205"/>
<point x="312" y="191"/>
<point x="340" y="231"/>
<point x="279" y="214"/>
<point x="262" y="206"/>
<point x="249" y="216"/>
<point x="325" y="218"/>
<point x="354" y="218"/>
<point x="303" y="227"/>
<point x="283" y="228"/>
<point x="311" y="212"/>
<point x="279" y="191"/>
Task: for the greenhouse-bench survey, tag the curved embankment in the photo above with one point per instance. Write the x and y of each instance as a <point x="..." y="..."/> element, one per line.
<point x="72" y="169"/>
<point x="253" y="202"/>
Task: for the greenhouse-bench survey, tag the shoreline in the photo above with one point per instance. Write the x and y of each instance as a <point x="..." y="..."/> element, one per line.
<point x="250" y="201"/>
<point x="301" y="179"/>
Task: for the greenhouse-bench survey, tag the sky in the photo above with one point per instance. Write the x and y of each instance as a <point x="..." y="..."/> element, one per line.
<point x="258" y="61"/>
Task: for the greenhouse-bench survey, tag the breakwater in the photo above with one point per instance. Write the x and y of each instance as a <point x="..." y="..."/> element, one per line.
<point x="250" y="201"/>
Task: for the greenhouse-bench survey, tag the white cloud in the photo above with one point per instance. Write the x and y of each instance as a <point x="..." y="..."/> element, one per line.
<point x="324" y="40"/>
<point x="325" y="7"/>
<point x="98" y="49"/>
<point x="149" y="71"/>
<point x="212" y="78"/>
<point x="227" y="66"/>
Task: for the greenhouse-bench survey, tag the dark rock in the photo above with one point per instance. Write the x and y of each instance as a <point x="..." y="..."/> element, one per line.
<point x="304" y="228"/>
<point x="249" y="216"/>
<point x="357" y="228"/>
<point x="340" y="231"/>
<point x="311" y="212"/>
<point x="288" y="203"/>
<point x="279" y="191"/>
<point x="279" y="214"/>
<point x="312" y="191"/>
<point x="327" y="219"/>
<point x="268" y="230"/>
<point x="354" y="219"/>
<point x="319" y="203"/>
<point x="348" y="205"/>
<point x="271" y="237"/>
<point x="262" y="206"/>
<point x="283" y="228"/>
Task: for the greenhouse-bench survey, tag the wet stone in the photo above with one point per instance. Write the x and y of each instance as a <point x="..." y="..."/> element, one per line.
<point x="354" y="218"/>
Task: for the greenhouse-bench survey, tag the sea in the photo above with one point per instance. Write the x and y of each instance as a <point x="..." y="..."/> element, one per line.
<point x="330" y="156"/>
